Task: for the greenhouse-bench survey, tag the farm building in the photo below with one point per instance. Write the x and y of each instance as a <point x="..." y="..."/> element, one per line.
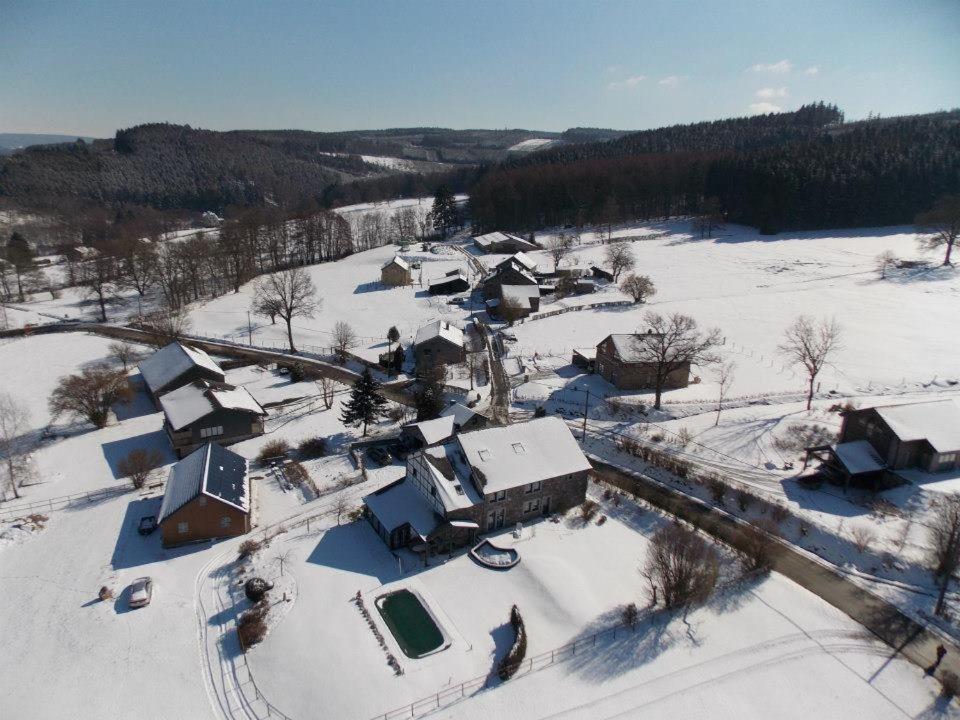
<point x="207" y="497"/>
<point x="506" y="273"/>
<point x="601" y="274"/>
<point x="515" y="302"/>
<point x="454" y="281"/>
<point x="396" y="272"/>
<point x="203" y="411"/>
<point x="439" y="342"/>
<point x="585" y="358"/>
<point x="877" y="443"/>
<point x="619" y="363"/>
<point x="428" y="433"/>
<point x="501" y="242"/>
<point x="174" y="366"/>
<point x="481" y="481"/>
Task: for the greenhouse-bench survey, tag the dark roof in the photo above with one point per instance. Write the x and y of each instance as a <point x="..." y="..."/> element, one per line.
<point x="211" y="470"/>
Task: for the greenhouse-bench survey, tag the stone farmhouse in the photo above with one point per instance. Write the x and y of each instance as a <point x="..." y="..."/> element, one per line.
<point x="439" y="342"/>
<point x="619" y="363"/>
<point x="480" y="482"/>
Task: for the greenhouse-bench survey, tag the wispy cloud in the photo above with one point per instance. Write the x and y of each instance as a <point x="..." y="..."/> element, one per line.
<point x="812" y="70"/>
<point x="672" y="80"/>
<point x="781" y="67"/>
<point x="770" y="93"/>
<point x="614" y="69"/>
<point x="761" y="108"/>
<point x="627" y="82"/>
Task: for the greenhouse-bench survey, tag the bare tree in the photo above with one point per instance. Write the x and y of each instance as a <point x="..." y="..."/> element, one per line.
<point x="138" y="465"/>
<point x="941" y="225"/>
<point x="14" y="423"/>
<point x="340" y="505"/>
<point x="166" y="326"/>
<point x="99" y="277"/>
<point x="344" y="338"/>
<point x="90" y="394"/>
<point x="945" y="544"/>
<point x="282" y="558"/>
<point x="619" y="257"/>
<point x="639" y="287"/>
<point x="122" y="352"/>
<point x="884" y="261"/>
<point x="709" y="218"/>
<point x="291" y="292"/>
<point x="672" y="344"/>
<point x="558" y="247"/>
<point x="328" y="388"/>
<point x="724" y="374"/>
<point x="811" y="345"/>
<point x="681" y="566"/>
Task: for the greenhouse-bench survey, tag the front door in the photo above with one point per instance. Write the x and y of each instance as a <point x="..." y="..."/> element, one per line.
<point x="495" y="519"/>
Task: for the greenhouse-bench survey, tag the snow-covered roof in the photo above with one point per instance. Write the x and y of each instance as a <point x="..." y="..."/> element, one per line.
<point x="519" y="293"/>
<point x="937" y="422"/>
<point x="440" y="328"/>
<point x="211" y="470"/>
<point x="858" y="457"/>
<point x="185" y="405"/>
<point x="449" y="277"/>
<point x="399" y="261"/>
<point x="528" y="262"/>
<point x="436" y="430"/>
<point x="514" y="455"/>
<point x="172" y="361"/>
<point x="460" y="413"/>
<point x="402" y="503"/>
<point x="494" y="238"/>
<point x="451" y="477"/>
<point x="588" y="353"/>
<point x="626" y="347"/>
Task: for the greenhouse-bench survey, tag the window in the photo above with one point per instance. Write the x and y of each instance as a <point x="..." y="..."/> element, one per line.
<point x="531" y="506"/>
<point x="498" y="496"/>
<point x="225" y="521"/>
<point x="211" y="431"/>
<point x="533" y="487"/>
<point x="183" y="528"/>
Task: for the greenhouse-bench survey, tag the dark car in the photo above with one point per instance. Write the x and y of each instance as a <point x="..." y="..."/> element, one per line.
<point x="147" y="524"/>
<point x="379" y="455"/>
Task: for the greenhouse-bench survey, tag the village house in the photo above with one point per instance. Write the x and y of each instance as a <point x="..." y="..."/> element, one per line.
<point x="618" y="362"/>
<point x="517" y="269"/>
<point x="428" y="433"/>
<point x="454" y="281"/>
<point x="480" y="482"/>
<point x="80" y="253"/>
<point x="201" y="411"/>
<point x="501" y="242"/>
<point x="876" y="445"/>
<point x="396" y="272"/>
<point x="175" y="365"/>
<point x="514" y="302"/>
<point x="439" y="342"/>
<point x="207" y="497"/>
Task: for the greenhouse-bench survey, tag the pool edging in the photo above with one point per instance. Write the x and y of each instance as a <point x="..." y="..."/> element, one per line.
<point x="446" y="642"/>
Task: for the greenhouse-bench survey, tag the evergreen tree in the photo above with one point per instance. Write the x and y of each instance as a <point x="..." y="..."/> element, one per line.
<point x="445" y="213"/>
<point x="429" y="398"/>
<point x="21" y="257"/>
<point x="399" y="355"/>
<point x="365" y="404"/>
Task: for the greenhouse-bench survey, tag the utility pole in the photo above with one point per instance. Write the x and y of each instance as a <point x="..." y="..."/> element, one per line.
<point x="249" y="330"/>
<point x="586" y="407"/>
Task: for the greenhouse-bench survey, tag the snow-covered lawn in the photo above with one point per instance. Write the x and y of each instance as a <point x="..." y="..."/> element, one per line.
<point x="740" y="650"/>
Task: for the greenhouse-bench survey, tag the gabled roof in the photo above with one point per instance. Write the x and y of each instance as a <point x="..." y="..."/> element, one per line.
<point x="498" y="237"/>
<point x="451" y="276"/>
<point x="520" y="293"/>
<point x="436" y="430"/>
<point x="211" y="470"/>
<point x="521" y="258"/>
<point x="172" y="361"/>
<point x="401" y="503"/>
<point x="185" y="405"/>
<point x="451" y="477"/>
<point x="442" y="329"/>
<point x="858" y="457"/>
<point x="937" y="422"/>
<point x="399" y="262"/>
<point x="624" y="345"/>
<point x="514" y="455"/>
<point x="460" y="413"/>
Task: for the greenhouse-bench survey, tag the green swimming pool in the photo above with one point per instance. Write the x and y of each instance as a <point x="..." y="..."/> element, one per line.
<point x="411" y="624"/>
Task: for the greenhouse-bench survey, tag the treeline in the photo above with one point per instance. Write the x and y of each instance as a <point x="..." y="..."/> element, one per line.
<point x="801" y="170"/>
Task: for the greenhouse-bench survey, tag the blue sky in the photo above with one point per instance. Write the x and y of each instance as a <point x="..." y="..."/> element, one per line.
<point x="91" y="67"/>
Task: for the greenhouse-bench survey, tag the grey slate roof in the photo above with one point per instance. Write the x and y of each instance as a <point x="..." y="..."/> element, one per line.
<point x="211" y="470"/>
<point x="172" y="361"/>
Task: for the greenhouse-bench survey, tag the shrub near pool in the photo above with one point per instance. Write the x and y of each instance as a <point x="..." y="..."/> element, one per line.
<point x="411" y="624"/>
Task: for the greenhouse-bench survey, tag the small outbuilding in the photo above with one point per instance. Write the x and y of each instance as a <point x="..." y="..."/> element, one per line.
<point x="454" y="281"/>
<point x="207" y="497"/>
<point x="396" y="272"/>
<point x="501" y="242"/>
<point x="601" y="274"/>
<point x="515" y="302"/>
<point x="585" y="358"/>
<point x="176" y="365"/>
<point x="439" y="342"/>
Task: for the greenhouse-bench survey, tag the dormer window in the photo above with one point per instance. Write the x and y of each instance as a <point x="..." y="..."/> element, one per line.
<point x="518" y="448"/>
<point x="484" y="454"/>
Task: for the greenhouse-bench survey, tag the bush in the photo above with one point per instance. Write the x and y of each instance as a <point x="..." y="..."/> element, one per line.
<point x="312" y="447"/>
<point x="273" y="449"/>
<point x="252" y="629"/>
<point x="863" y="538"/>
<point x="540" y="412"/>
<point x="511" y="662"/>
<point x="684" y="437"/>
<point x="630" y="615"/>
<point x="587" y="510"/>
<point x="949" y="684"/>
<point x="296" y="474"/>
<point x="396" y="412"/>
<point x="682" y="566"/>
<point x="105" y="594"/>
<point x="756" y="551"/>
<point x="601" y="520"/>
<point x="138" y="465"/>
<point x="718" y="490"/>
<point x="656" y="437"/>
<point x="779" y="514"/>
<point x="744" y="500"/>
<point x="248" y="548"/>
<point x="799" y="436"/>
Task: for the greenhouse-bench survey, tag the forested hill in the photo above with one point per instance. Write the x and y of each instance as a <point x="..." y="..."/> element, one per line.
<point x="801" y="170"/>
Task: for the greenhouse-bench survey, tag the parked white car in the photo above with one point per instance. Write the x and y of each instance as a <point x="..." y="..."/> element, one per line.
<point x="141" y="591"/>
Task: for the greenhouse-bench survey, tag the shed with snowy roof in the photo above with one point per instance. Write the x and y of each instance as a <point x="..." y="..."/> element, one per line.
<point x="175" y="365"/>
<point x="396" y="272"/>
